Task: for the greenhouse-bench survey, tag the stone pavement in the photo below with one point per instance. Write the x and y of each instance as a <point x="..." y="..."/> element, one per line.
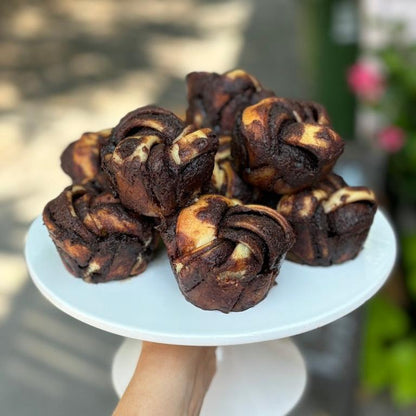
<point x="71" y="66"/>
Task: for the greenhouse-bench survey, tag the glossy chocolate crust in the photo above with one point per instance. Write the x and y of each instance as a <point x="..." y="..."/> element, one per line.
<point x="157" y="164"/>
<point x="282" y="145"/>
<point x="81" y="159"/>
<point x="217" y="100"/>
<point x="331" y="221"/>
<point x="226" y="255"/>
<point x="96" y="237"/>
<point x="225" y="181"/>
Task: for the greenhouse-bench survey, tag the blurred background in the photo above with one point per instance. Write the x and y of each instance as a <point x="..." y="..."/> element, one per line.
<point x="69" y="66"/>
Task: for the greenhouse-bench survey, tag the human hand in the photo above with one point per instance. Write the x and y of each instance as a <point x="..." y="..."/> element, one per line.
<point x="168" y="380"/>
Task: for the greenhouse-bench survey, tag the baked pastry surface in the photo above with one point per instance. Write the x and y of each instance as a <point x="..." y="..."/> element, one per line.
<point x="225" y="180"/>
<point x="157" y="164"/>
<point x="217" y="100"/>
<point x="81" y="159"/>
<point x="331" y="221"/>
<point x="96" y="237"/>
<point x="246" y="151"/>
<point x="282" y="145"/>
<point x="226" y="255"/>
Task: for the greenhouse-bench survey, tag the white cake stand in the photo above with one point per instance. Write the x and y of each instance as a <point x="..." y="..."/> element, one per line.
<point x="265" y="378"/>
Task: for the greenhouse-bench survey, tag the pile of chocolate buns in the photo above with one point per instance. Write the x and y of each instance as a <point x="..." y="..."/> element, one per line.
<point x="243" y="181"/>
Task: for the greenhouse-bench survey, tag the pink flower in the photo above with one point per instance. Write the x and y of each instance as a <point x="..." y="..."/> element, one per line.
<point x="365" y="81"/>
<point x="391" y="139"/>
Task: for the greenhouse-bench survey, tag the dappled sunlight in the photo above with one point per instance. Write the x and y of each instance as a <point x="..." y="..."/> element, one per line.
<point x="9" y="95"/>
<point x="179" y="57"/>
<point x="11" y="138"/>
<point x="220" y="28"/>
<point x="68" y="67"/>
<point x="58" y="332"/>
<point x="79" y="65"/>
<point x="13" y="275"/>
<point x="73" y="89"/>
<point x="58" y="358"/>
<point x="28" y="22"/>
<point x="12" y="272"/>
<point x="74" y="66"/>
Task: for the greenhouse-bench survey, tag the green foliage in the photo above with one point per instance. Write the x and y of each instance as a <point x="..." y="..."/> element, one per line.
<point x="386" y="323"/>
<point x="402" y="170"/>
<point x="389" y="358"/>
<point x="399" y="106"/>
<point x="408" y="244"/>
<point x="402" y="359"/>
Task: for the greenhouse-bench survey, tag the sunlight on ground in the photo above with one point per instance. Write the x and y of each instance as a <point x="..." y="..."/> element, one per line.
<point x="217" y="48"/>
<point x="50" y="94"/>
<point x="12" y="277"/>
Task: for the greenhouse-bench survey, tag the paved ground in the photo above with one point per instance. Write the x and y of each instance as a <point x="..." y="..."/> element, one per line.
<point x="70" y="66"/>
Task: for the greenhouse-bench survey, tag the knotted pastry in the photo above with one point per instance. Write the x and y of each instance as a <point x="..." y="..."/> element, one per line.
<point x="216" y="100"/>
<point x="226" y="255"/>
<point x="224" y="180"/>
<point x="282" y="146"/>
<point x="156" y="163"/>
<point x="96" y="237"/>
<point x="331" y="221"/>
<point x="81" y="159"/>
<point x="309" y="112"/>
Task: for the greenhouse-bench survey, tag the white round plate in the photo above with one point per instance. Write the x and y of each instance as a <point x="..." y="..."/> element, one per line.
<point x="150" y="307"/>
<point x="270" y="382"/>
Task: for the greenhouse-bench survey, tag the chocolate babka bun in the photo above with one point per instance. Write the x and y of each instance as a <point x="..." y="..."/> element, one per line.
<point x="156" y="163"/>
<point x="225" y="181"/>
<point x="81" y="159"/>
<point x="282" y="145"/>
<point x="96" y="237"/>
<point x="225" y="255"/>
<point x="216" y="100"/>
<point x="331" y="221"/>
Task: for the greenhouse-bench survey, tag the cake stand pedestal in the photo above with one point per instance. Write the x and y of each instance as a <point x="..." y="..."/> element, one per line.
<point x="256" y="374"/>
<point x="266" y="378"/>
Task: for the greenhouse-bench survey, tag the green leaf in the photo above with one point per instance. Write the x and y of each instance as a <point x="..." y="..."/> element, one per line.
<point x="386" y="323"/>
<point x="403" y="367"/>
<point x="386" y="320"/>
<point x="408" y="243"/>
<point x="375" y="373"/>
